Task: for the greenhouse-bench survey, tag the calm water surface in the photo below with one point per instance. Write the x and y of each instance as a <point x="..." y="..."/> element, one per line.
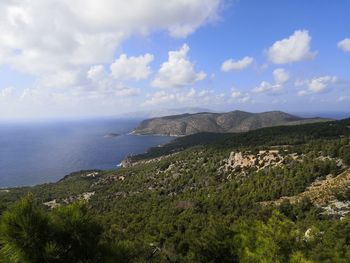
<point x="34" y="153"/>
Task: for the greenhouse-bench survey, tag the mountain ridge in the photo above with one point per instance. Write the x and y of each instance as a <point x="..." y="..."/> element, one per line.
<point x="227" y="122"/>
<point x="162" y="112"/>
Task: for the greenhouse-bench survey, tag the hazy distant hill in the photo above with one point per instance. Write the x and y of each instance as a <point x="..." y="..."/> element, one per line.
<point x="235" y="121"/>
<point x="163" y="112"/>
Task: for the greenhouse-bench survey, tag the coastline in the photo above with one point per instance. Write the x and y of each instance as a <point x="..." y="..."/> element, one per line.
<point x="155" y="134"/>
<point x="83" y="146"/>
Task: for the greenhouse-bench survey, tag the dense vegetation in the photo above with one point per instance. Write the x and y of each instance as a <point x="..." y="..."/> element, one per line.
<point x="187" y="208"/>
<point x="280" y="135"/>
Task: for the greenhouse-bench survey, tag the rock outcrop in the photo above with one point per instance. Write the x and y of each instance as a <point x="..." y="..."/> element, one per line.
<point x="323" y="193"/>
<point x="241" y="161"/>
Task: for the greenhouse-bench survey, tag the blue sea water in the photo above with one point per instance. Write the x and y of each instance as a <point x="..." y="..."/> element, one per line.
<point x="34" y="153"/>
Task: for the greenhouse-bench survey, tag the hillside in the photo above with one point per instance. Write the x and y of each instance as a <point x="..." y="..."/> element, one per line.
<point x="279" y="135"/>
<point x="235" y="121"/>
<point x="277" y="194"/>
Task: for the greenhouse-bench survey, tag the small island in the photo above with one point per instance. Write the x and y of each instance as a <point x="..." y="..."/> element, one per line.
<point x="111" y="135"/>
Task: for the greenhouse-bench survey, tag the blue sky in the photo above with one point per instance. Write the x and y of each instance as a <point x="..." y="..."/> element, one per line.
<point x="103" y="58"/>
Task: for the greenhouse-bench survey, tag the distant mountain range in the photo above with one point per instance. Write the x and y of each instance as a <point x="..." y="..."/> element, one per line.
<point x="163" y="112"/>
<point x="235" y="121"/>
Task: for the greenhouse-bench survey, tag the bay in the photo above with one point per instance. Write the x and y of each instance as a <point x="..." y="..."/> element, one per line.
<point x="41" y="152"/>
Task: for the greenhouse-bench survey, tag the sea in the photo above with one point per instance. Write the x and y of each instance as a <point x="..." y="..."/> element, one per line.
<point x="40" y="152"/>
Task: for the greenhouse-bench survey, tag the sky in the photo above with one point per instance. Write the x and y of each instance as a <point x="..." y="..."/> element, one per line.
<point x="89" y="58"/>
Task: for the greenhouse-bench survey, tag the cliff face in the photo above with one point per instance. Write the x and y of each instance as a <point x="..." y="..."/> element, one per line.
<point x="235" y="121"/>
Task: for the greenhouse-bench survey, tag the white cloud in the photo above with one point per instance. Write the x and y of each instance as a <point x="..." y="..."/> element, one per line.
<point x="7" y="92"/>
<point x="100" y="82"/>
<point x="345" y="44"/>
<point x="191" y="97"/>
<point x="241" y="97"/>
<point x="236" y="94"/>
<point x="178" y="71"/>
<point x="292" y="49"/>
<point x="317" y="85"/>
<point x="180" y="18"/>
<point x="280" y="75"/>
<point x="160" y="97"/>
<point x="96" y="73"/>
<point x="136" y="68"/>
<point x="60" y="78"/>
<point x="268" y="88"/>
<point x="320" y="84"/>
<point x="127" y="92"/>
<point x="91" y="99"/>
<point x="45" y="36"/>
<point x="66" y="45"/>
<point x="302" y="93"/>
<point x="343" y="99"/>
<point x="230" y="64"/>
